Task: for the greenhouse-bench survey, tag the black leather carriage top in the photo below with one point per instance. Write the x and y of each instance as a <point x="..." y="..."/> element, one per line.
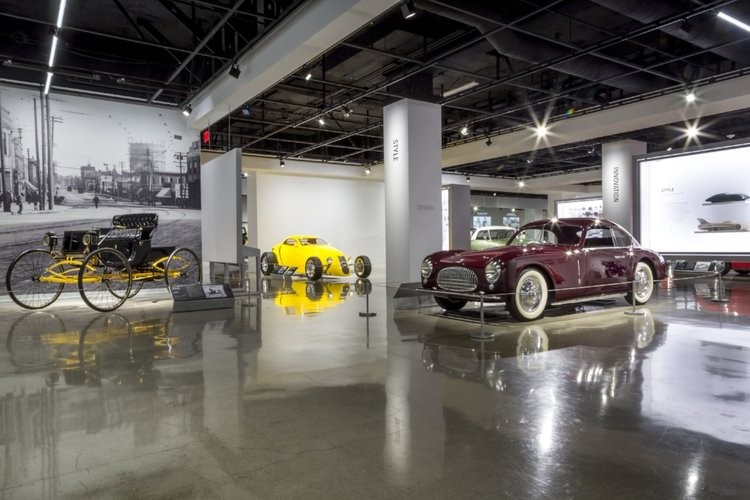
<point x="147" y="223"/>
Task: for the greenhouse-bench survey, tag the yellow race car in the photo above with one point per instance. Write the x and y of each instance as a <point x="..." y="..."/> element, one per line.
<point x="313" y="257"/>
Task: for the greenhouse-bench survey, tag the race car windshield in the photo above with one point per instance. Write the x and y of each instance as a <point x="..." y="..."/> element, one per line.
<point x="312" y="241"/>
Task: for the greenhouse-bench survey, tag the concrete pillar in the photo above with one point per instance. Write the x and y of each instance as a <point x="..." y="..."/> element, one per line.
<point x="457" y="231"/>
<point x="617" y="180"/>
<point x="411" y="135"/>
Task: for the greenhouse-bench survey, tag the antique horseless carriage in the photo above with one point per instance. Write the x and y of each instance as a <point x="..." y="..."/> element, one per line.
<point x="109" y="265"/>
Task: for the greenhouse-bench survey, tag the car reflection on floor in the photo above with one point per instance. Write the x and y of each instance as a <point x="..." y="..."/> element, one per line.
<point x="490" y="361"/>
<point x="307" y="298"/>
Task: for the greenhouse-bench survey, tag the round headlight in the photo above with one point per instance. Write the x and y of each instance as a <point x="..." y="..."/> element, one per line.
<point x="329" y="260"/>
<point x="426" y="268"/>
<point x="87" y="239"/>
<point x="46" y="240"/>
<point x="492" y="271"/>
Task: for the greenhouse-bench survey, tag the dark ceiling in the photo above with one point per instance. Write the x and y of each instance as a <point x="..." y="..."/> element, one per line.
<point x="518" y="61"/>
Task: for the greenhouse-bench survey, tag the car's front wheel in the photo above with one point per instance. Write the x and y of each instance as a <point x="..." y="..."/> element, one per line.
<point x="313" y="268"/>
<point x="362" y="266"/>
<point x="530" y="296"/>
<point x="268" y="263"/>
<point x="643" y="285"/>
<point x="450" y="304"/>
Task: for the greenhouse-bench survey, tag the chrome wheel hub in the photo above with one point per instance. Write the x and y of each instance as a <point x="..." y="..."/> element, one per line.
<point x="641" y="283"/>
<point x="530" y="295"/>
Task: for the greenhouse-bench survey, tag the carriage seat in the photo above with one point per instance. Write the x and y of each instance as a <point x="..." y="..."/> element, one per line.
<point x="131" y="234"/>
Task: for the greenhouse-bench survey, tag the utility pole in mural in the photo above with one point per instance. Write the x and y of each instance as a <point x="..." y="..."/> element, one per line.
<point x="3" y="148"/>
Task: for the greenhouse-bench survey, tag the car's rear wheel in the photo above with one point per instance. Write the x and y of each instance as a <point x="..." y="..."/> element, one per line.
<point x="530" y="296"/>
<point x="362" y="266"/>
<point x="34" y="279"/>
<point x="313" y="268"/>
<point x="643" y="284"/>
<point x="268" y="263"/>
<point x="450" y="304"/>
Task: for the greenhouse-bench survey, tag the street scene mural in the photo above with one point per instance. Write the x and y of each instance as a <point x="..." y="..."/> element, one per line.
<point x="72" y="163"/>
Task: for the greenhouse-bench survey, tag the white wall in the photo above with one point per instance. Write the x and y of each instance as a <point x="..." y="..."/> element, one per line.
<point x="348" y="213"/>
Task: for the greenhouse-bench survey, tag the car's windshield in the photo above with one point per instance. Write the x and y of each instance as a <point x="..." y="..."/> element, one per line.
<point x="312" y="240"/>
<point x="549" y="234"/>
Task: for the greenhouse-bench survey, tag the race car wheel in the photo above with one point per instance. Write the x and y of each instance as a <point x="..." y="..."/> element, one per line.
<point x="25" y="280"/>
<point x="313" y="268"/>
<point x="643" y="286"/>
<point x="530" y="296"/>
<point x="450" y="304"/>
<point x="362" y="266"/>
<point x="268" y="263"/>
<point x="105" y="279"/>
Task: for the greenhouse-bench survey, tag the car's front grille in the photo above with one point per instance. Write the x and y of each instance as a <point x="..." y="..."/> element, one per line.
<point x="457" y="279"/>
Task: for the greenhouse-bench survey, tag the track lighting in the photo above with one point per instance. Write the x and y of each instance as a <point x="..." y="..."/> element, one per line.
<point x="690" y="96"/>
<point x="521" y="184"/>
<point x="368" y="171"/>
<point x="321" y="121"/>
<point x="347" y="111"/>
<point x="465" y="131"/>
<point x="281" y="163"/>
<point x="308" y="76"/>
<point x="468" y="179"/>
<point x="246" y="111"/>
<point x="234" y="71"/>
<point x="408" y="10"/>
<point x="488" y="142"/>
<point x="541" y="131"/>
<point x="187" y="110"/>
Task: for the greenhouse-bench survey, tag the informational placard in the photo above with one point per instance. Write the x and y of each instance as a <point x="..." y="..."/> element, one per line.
<point x="697" y="203"/>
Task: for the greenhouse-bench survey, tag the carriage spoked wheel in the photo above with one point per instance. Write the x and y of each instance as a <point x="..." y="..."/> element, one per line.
<point x="134" y="289"/>
<point x="31" y="279"/>
<point x="182" y="268"/>
<point x="105" y="279"/>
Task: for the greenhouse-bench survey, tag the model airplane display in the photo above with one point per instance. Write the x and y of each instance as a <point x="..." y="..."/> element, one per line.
<point x="727" y="225"/>
<point x="727" y="198"/>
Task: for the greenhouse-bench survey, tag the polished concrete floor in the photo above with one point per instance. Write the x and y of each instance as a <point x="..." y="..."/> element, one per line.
<point x="298" y="394"/>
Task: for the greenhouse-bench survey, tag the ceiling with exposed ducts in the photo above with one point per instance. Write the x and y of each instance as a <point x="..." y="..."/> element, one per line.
<point x="494" y="67"/>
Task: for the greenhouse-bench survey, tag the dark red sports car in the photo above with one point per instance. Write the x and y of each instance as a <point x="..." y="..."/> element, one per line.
<point x="550" y="261"/>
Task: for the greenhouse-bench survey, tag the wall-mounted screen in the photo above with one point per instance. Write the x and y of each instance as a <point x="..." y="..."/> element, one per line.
<point x="696" y="203"/>
<point x="588" y="207"/>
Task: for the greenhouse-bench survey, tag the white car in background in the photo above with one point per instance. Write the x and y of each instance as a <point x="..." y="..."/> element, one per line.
<point x="491" y="236"/>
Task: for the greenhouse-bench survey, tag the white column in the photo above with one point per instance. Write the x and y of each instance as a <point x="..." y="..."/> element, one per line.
<point x="411" y="135"/>
<point x="617" y="180"/>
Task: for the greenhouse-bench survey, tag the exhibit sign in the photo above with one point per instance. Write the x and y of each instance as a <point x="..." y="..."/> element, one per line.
<point x="696" y="203"/>
<point x="582" y="207"/>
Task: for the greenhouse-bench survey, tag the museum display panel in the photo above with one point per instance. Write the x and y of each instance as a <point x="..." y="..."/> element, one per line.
<point x="696" y="204"/>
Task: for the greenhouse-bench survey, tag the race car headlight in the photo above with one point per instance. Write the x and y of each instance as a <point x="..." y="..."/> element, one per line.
<point x="426" y="268"/>
<point x="492" y="271"/>
<point x="329" y="260"/>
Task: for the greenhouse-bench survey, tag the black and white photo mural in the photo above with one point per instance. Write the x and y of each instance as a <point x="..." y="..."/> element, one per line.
<point x="72" y="163"/>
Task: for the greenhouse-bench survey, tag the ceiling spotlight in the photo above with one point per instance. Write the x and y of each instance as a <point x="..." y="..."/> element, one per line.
<point x="488" y="141"/>
<point x="234" y="71"/>
<point x="692" y="131"/>
<point x="731" y="136"/>
<point x="521" y="184"/>
<point x="308" y="76"/>
<point x="281" y="163"/>
<point x="494" y="194"/>
<point x="368" y="170"/>
<point x="321" y="121"/>
<point x="347" y="111"/>
<point x="408" y="10"/>
<point x="465" y="131"/>
<point x="246" y="111"/>
<point x="690" y="96"/>
<point x="187" y="110"/>
<point x="669" y="148"/>
<point x="468" y="179"/>
<point x="541" y="131"/>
